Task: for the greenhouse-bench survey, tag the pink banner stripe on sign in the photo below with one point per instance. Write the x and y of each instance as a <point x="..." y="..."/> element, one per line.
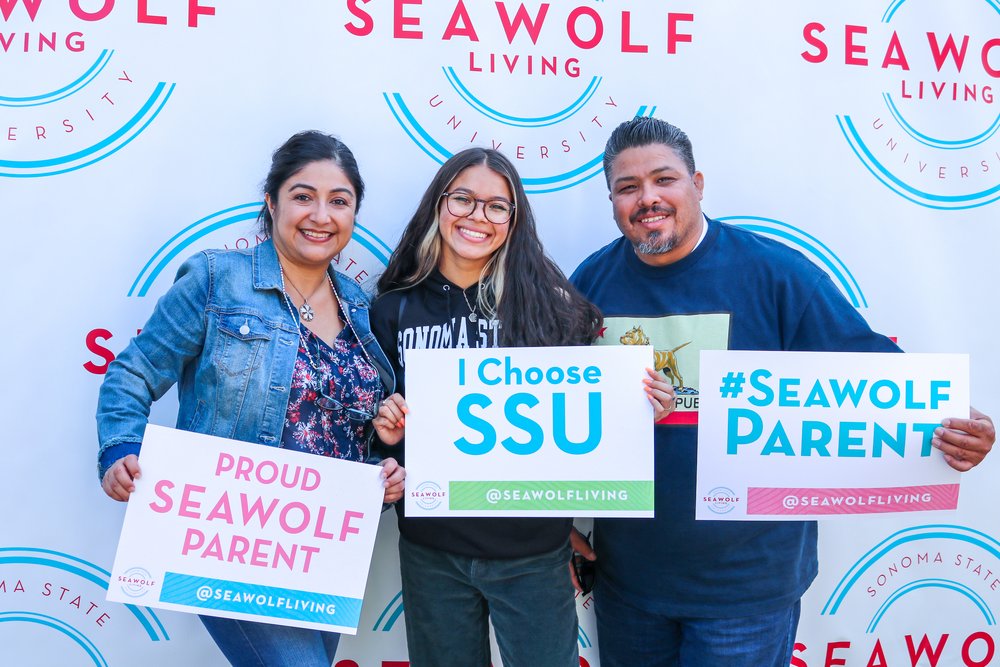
<point x="791" y="501"/>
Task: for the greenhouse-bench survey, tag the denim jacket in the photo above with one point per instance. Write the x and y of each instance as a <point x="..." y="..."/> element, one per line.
<point x="224" y="334"/>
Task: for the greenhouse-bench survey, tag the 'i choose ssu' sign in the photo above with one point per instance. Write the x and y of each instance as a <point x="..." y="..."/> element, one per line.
<point x="563" y="431"/>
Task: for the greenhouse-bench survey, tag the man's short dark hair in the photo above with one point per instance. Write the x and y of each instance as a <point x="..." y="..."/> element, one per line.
<point x="644" y="131"/>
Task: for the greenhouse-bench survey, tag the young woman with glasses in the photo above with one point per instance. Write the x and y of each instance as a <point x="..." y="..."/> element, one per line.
<point x="470" y="266"/>
<point x="270" y="346"/>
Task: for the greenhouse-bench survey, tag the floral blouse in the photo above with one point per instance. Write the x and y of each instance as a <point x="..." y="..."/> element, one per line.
<point x="314" y="423"/>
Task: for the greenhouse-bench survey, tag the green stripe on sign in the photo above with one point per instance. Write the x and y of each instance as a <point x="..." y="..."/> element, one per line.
<point x="630" y="495"/>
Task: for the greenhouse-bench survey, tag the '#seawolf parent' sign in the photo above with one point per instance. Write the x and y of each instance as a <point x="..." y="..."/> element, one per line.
<point x="234" y="529"/>
<point x="554" y="431"/>
<point x="808" y="435"/>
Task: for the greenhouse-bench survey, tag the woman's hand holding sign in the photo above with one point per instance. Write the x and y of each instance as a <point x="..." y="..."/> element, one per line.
<point x="389" y="423"/>
<point x="393" y="475"/>
<point x="118" y="481"/>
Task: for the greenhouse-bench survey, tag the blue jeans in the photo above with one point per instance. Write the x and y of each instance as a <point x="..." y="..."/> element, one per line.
<point x="448" y="599"/>
<point x="631" y="637"/>
<point x="250" y="644"/>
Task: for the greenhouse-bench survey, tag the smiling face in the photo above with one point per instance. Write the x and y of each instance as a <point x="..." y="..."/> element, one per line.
<point x="313" y="215"/>
<point x="469" y="242"/>
<point x="656" y="203"/>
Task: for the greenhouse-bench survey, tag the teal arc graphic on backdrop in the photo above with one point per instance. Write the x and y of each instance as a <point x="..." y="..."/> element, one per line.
<point x="81" y="82"/>
<point x="185" y="242"/>
<point x="894" y="6"/>
<point x="810" y="246"/>
<point x="884" y="175"/>
<point x="423" y="139"/>
<point x="910" y="537"/>
<point x="60" y="626"/>
<point x="926" y="139"/>
<point x="544" y="120"/>
<point x="86" y="570"/>
<point x="904" y="189"/>
<point x="943" y="144"/>
<point x="387" y="619"/>
<point x="97" y="151"/>
<point x="945" y="584"/>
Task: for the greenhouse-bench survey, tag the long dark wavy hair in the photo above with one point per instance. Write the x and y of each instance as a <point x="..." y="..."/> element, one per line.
<point x="520" y="285"/>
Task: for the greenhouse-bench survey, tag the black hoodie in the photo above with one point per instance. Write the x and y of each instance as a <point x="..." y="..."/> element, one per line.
<point x="435" y="314"/>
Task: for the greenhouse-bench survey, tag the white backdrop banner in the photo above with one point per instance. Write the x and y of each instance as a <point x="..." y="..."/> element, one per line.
<point x="135" y="133"/>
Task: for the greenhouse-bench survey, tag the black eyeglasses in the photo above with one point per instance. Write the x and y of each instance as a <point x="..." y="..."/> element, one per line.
<point x="353" y="414"/>
<point x="462" y="205"/>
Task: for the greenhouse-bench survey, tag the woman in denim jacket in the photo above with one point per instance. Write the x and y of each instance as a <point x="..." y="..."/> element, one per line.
<point x="269" y="346"/>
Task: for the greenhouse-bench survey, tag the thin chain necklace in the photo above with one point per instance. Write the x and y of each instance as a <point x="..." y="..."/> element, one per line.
<point x="472" y="311"/>
<point x="305" y="310"/>
<point x="302" y="339"/>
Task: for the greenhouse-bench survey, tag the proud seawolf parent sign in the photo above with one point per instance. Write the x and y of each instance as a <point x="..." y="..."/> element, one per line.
<point x="226" y="528"/>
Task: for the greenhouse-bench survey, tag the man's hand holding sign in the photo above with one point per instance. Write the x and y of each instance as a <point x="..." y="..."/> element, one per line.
<point x="965" y="442"/>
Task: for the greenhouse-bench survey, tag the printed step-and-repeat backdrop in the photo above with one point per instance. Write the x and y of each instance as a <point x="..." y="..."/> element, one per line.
<point x="134" y="133"/>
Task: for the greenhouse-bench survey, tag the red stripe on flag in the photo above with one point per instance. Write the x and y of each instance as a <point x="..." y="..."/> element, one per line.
<point x="686" y="418"/>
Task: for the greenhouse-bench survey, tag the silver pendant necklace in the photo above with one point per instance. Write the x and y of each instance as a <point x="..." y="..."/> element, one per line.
<point x="323" y="379"/>
<point x="305" y="310"/>
<point x="302" y="312"/>
<point x="472" y="311"/>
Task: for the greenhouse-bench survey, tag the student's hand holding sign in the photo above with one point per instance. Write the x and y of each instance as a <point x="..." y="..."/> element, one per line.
<point x="661" y="395"/>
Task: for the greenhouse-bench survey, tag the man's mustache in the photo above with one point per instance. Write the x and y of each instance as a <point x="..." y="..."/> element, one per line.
<point x="656" y="210"/>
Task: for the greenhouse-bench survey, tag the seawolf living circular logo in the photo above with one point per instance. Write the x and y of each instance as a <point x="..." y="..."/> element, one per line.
<point x="928" y="127"/>
<point x="536" y="82"/>
<point x="68" y="101"/>
<point x="951" y="569"/>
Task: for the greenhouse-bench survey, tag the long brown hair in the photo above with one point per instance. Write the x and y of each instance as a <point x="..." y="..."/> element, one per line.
<point x="520" y="285"/>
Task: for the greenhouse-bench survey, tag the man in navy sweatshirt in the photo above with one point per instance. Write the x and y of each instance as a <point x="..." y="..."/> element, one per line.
<point x="672" y="590"/>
